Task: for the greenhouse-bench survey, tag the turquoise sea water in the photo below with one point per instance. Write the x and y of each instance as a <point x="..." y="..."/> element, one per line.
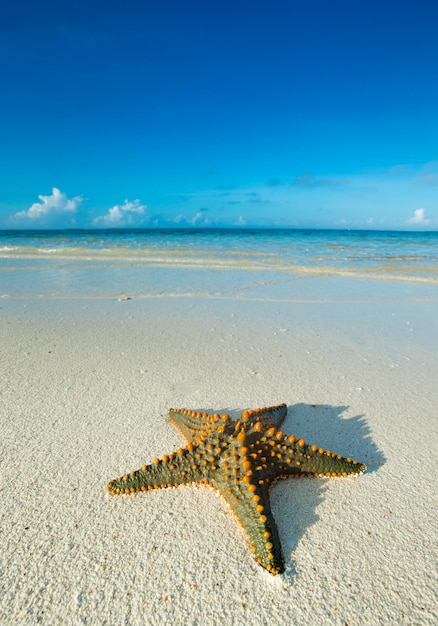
<point x="108" y="263"/>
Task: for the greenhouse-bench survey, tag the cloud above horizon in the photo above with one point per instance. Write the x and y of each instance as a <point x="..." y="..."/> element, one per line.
<point x="127" y="214"/>
<point x="380" y="199"/>
<point x="419" y="218"/>
<point x="53" y="206"/>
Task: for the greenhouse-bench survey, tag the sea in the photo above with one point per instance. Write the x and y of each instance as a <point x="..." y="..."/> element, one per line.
<point x="128" y="263"/>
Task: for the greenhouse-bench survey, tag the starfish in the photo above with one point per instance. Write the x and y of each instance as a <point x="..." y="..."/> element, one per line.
<point x="241" y="459"/>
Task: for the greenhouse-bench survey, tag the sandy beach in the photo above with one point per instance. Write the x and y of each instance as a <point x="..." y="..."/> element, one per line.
<point x="85" y="388"/>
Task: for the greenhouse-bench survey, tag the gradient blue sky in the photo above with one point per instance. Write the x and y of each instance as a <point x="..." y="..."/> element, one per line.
<point x="219" y="113"/>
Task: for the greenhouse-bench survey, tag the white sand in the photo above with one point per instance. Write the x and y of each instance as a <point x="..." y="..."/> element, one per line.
<point x="84" y="391"/>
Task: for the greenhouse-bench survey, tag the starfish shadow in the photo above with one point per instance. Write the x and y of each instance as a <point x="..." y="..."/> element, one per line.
<point x="324" y="425"/>
<point x="294" y="502"/>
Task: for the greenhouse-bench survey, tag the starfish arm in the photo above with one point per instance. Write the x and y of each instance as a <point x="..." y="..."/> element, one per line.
<point x="268" y="416"/>
<point x="252" y="509"/>
<point x="295" y="457"/>
<point x="194" y="426"/>
<point x="181" y="467"/>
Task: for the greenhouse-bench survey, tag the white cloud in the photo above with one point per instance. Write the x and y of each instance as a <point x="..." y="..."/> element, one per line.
<point x="199" y="219"/>
<point x="54" y="205"/>
<point x="418" y="218"/>
<point x="126" y="214"/>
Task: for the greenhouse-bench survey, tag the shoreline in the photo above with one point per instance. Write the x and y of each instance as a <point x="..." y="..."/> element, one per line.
<point x="86" y="391"/>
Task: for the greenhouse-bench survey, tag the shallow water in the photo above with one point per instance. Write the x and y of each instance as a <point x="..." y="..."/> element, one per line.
<point x="107" y="263"/>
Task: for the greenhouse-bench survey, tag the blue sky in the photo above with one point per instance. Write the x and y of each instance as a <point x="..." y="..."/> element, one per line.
<point x="171" y="113"/>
